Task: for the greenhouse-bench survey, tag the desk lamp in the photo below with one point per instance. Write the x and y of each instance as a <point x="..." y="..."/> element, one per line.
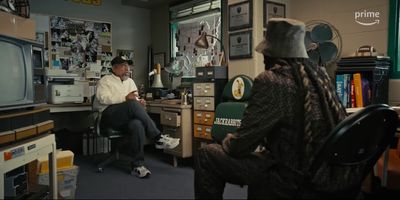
<point x="202" y="42"/>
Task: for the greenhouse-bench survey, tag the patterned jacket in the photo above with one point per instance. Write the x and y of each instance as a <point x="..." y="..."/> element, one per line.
<point x="275" y="115"/>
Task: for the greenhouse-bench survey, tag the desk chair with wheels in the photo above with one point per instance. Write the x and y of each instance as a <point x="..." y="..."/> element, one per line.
<point x="229" y="113"/>
<point x="115" y="136"/>
<point x="360" y="138"/>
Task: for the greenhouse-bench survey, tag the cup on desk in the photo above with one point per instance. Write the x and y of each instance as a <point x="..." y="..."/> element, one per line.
<point x="184" y="99"/>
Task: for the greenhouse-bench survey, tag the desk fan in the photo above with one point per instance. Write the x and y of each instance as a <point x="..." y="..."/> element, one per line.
<point x="323" y="42"/>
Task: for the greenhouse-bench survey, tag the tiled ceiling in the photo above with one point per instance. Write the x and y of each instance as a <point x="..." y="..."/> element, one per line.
<point x="151" y="3"/>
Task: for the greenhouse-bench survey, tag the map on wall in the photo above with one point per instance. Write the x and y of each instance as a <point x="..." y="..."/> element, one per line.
<point x="74" y="43"/>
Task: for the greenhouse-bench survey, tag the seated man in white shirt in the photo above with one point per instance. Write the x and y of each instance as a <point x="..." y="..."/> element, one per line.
<point x="122" y="109"/>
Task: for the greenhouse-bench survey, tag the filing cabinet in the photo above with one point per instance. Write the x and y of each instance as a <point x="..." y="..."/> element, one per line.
<point x="207" y="93"/>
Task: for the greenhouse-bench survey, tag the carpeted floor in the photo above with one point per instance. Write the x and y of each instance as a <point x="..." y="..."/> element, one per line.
<point x="166" y="181"/>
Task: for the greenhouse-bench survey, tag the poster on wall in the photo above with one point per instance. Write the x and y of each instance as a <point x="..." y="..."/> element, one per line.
<point x="75" y="42"/>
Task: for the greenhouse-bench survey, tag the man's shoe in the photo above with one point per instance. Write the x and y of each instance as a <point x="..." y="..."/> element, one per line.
<point x="141" y="172"/>
<point x="167" y="142"/>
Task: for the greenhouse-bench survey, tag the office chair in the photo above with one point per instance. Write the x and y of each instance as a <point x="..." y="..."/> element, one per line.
<point x="229" y="112"/>
<point x="115" y="136"/>
<point x="361" y="138"/>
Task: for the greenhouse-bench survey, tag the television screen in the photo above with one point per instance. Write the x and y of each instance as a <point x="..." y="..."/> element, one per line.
<point x="12" y="73"/>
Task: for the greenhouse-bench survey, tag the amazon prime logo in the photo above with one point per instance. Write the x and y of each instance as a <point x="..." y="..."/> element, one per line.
<point x="366" y="18"/>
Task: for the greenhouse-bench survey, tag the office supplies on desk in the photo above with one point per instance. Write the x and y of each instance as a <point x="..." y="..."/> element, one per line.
<point x="66" y="94"/>
<point x="64" y="87"/>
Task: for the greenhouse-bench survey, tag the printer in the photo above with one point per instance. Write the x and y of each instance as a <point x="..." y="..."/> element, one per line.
<point x="63" y="87"/>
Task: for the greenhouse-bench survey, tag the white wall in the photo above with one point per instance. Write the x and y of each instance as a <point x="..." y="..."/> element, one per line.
<point x="130" y="25"/>
<point x="161" y="39"/>
<point x="255" y="65"/>
<point x="340" y="13"/>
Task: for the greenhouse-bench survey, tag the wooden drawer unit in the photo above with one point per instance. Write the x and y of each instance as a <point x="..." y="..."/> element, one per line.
<point x="202" y="131"/>
<point x="204" y="103"/>
<point x="207" y="92"/>
<point x="18" y="125"/>
<point x="203" y="117"/>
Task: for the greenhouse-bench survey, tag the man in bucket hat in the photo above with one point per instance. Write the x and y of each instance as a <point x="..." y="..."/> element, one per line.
<point x="292" y="109"/>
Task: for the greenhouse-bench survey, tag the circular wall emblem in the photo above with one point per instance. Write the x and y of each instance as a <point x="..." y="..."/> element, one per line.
<point x="238" y="88"/>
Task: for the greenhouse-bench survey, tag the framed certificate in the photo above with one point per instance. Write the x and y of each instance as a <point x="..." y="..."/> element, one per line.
<point x="159" y="58"/>
<point x="273" y="10"/>
<point x="240" y="15"/>
<point x="240" y="45"/>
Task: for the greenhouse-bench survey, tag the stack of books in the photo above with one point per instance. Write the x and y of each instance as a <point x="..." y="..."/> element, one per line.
<point x="361" y="81"/>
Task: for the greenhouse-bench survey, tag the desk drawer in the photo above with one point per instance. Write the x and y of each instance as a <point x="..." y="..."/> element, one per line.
<point x="170" y="119"/>
<point x="203" y="117"/>
<point x="153" y="109"/>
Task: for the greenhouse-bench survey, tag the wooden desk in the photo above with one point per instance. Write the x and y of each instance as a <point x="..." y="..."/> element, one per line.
<point x="74" y="117"/>
<point x="26" y="151"/>
<point x="176" y="120"/>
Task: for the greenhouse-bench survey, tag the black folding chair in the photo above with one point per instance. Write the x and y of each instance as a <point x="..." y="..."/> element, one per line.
<point x="359" y="140"/>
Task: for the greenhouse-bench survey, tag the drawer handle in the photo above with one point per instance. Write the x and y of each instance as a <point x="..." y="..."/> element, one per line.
<point x="205" y="120"/>
<point x="206" y="105"/>
<point x="169" y="118"/>
<point x="207" y="87"/>
<point x="205" y="91"/>
<point x="198" y="115"/>
<point x="208" y="115"/>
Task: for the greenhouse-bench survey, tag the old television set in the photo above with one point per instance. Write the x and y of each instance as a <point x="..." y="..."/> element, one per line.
<point x="22" y="83"/>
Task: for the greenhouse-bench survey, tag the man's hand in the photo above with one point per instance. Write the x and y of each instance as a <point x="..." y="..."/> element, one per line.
<point x="226" y="143"/>
<point x="131" y="96"/>
<point x="143" y="102"/>
<point x="228" y="138"/>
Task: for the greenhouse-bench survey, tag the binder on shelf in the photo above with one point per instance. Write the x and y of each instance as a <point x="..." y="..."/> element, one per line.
<point x="358" y="90"/>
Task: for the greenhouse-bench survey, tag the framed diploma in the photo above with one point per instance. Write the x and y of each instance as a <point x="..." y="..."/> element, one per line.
<point x="240" y="45"/>
<point x="240" y="15"/>
<point x="159" y="58"/>
<point x="273" y="10"/>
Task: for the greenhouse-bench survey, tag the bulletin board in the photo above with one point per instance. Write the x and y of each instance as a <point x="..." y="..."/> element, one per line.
<point x="75" y="42"/>
<point x="185" y="35"/>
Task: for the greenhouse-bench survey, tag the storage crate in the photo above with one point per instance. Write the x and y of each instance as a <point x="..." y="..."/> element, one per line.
<point x="66" y="181"/>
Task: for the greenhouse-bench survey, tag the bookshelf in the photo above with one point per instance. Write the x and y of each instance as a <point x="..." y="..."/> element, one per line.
<point x="361" y="81"/>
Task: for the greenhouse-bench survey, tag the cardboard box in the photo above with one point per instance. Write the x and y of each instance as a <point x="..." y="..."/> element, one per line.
<point x="16" y="26"/>
<point x="65" y="160"/>
<point x="66" y="181"/>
